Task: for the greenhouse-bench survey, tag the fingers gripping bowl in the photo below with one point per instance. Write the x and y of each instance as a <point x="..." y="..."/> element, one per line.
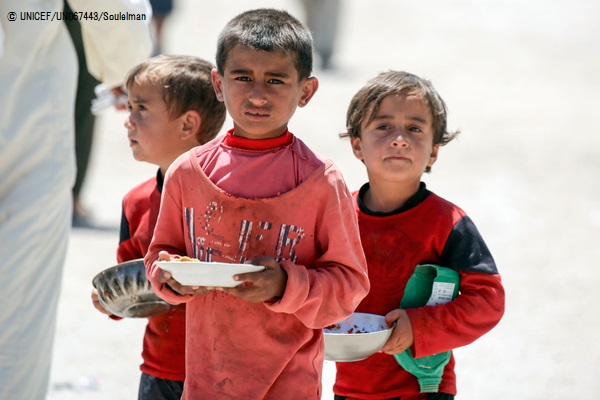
<point x="125" y="291"/>
<point x="356" y="338"/>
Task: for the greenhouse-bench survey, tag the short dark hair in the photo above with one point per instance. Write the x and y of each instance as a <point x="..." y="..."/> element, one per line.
<point x="185" y="84"/>
<point x="365" y="103"/>
<point x="270" y="30"/>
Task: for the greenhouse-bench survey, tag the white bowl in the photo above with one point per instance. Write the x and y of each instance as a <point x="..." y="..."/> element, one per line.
<point x="124" y="291"/>
<point x="200" y="273"/>
<point x="356" y="338"/>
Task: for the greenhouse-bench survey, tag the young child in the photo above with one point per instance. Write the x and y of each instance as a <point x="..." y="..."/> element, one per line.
<point x="396" y="124"/>
<point x="259" y="194"/>
<point x="172" y="108"/>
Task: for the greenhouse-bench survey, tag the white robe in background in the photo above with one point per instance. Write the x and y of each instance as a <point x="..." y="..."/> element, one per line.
<point x="38" y="75"/>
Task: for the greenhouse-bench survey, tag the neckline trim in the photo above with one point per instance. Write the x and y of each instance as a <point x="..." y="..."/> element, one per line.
<point x="258" y="144"/>
<point x="412" y="202"/>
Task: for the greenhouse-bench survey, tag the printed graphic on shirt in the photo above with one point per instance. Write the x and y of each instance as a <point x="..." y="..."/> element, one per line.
<point x="211" y="241"/>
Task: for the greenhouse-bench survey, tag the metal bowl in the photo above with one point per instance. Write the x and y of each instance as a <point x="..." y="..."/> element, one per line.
<point x="125" y="291"/>
<point x="356" y="338"/>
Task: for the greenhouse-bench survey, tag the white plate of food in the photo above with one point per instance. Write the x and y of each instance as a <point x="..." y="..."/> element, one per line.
<point x="192" y="272"/>
<point x="356" y="338"/>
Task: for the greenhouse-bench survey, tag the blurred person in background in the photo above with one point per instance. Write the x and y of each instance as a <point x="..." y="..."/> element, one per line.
<point x="85" y="121"/>
<point x="161" y="10"/>
<point x="322" y="18"/>
<point x="38" y="78"/>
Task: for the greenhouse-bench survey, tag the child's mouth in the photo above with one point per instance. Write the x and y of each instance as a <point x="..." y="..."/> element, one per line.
<point x="257" y="114"/>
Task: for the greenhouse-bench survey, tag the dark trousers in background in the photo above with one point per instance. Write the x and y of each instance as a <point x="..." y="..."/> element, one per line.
<point x="84" y="119"/>
<point x="153" y="388"/>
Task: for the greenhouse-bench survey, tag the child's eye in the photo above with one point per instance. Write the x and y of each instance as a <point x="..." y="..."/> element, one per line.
<point x="415" y="129"/>
<point x="383" y="127"/>
<point x="136" y="107"/>
<point x="275" y="81"/>
<point x="242" y="78"/>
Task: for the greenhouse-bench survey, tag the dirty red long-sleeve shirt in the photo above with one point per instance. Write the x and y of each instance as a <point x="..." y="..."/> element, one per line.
<point x="234" y="199"/>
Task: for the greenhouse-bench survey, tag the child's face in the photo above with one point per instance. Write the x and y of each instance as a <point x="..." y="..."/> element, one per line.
<point x="261" y="91"/>
<point x="153" y="136"/>
<point x="397" y="145"/>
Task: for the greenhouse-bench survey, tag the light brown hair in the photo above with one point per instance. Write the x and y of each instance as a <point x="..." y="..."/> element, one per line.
<point x="365" y="103"/>
<point x="185" y="84"/>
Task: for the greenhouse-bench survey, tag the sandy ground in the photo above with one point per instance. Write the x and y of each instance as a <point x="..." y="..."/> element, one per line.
<point x="520" y="80"/>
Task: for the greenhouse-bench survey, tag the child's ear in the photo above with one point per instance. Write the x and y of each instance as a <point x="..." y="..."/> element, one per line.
<point x="190" y="124"/>
<point x="356" y="147"/>
<point x="217" y="81"/>
<point x="309" y="88"/>
<point x="434" y="155"/>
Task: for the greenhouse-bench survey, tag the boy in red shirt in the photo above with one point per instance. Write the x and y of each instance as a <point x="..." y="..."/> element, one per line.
<point x="396" y="124"/>
<point x="172" y="108"/>
<point x="259" y="194"/>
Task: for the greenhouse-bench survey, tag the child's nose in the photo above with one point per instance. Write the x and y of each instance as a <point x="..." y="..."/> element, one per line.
<point x="399" y="140"/>
<point x="128" y="123"/>
<point x="258" y="95"/>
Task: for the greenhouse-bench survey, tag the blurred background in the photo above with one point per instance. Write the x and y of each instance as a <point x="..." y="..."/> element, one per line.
<point x="520" y="80"/>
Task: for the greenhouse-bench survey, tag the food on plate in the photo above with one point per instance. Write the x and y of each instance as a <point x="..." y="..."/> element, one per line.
<point x="352" y="329"/>
<point x="186" y="259"/>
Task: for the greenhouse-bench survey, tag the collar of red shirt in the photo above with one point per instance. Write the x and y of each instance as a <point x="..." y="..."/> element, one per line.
<point x="257" y="144"/>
